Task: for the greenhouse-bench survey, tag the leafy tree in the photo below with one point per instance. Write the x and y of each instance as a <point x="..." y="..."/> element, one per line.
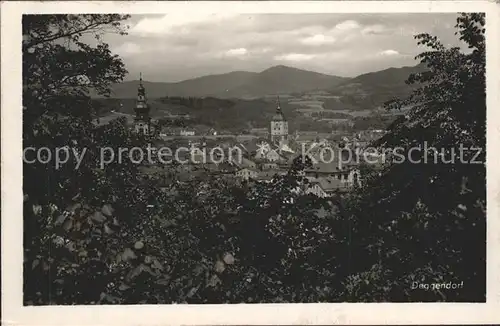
<point x="62" y="206"/>
<point x="59" y="70"/>
<point x="425" y="222"/>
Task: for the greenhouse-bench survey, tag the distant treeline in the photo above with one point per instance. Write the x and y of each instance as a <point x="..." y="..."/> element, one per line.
<point x="331" y="115"/>
<point x="368" y="99"/>
<point x="374" y="121"/>
<point x="233" y="115"/>
<point x="236" y="115"/>
<point x="198" y="103"/>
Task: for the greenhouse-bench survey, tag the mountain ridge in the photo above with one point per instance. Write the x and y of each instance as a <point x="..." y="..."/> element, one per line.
<point x="373" y="89"/>
<point x="275" y="80"/>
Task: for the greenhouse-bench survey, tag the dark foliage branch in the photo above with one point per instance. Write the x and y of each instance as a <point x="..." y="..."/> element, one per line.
<point x="40" y="29"/>
<point x="419" y="214"/>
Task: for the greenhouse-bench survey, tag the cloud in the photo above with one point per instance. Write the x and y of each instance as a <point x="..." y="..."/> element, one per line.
<point x="236" y="52"/>
<point x="318" y="39"/>
<point x="389" y="53"/>
<point x="264" y="50"/>
<point x="179" y="22"/>
<point x="374" y="29"/>
<point x="176" y="47"/>
<point x="294" y="57"/>
<point x="347" y="25"/>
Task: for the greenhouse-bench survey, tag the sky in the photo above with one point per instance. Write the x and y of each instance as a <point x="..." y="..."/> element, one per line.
<point x="172" y="48"/>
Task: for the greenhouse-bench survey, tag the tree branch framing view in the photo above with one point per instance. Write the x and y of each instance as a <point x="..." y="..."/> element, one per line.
<point x="281" y="223"/>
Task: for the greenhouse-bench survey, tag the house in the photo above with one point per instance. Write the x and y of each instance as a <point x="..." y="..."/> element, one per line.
<point x="269" y="166"/>
<point x="316" y="190"/>
<point x="285" y="148"/>
<point x="325" y="186"/>
<point x="347" y="179"/>
<point x="331" y="185"/>
<point x="348" y="174"/>
<point x="245" y="163"/>
<point x="272" y="156"/>
<point x="247" y="173"/>
<point x="186" y="132"/>
<point x="267" y="176"/>
<point x="340" y="172"/>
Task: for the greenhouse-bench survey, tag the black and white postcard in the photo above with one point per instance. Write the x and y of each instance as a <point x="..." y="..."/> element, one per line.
<point x="250" y="162"/>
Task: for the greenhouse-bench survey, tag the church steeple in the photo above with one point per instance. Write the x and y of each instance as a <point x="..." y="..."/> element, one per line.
<point x="278" y="106"/>
<point x="279" y="125"/>
<point x="141" y="91"/>
<point x="279" y="114"/>
<point x="142" y="119"/>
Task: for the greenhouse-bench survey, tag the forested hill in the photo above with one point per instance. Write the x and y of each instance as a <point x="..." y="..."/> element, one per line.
<point x="382" y="79"/>
<point x="237" y="84"/>
<point x="373" y="89"/>
<point x="365" y="91"/>
<point x="237" y="115"/>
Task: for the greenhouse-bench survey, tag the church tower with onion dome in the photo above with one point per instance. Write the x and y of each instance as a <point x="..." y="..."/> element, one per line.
<point x="142" y="119"/>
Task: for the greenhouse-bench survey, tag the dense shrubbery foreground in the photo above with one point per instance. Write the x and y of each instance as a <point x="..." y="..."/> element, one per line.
<point x="90" y="236"/>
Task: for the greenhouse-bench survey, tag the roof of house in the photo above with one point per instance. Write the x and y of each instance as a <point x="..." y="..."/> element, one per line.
<point x="244" y="163"/>
<point x="328" y="184"/>
<point x="286" y="148"/>
<point x="253" y="145"/>
<point x="267" y="175"/>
